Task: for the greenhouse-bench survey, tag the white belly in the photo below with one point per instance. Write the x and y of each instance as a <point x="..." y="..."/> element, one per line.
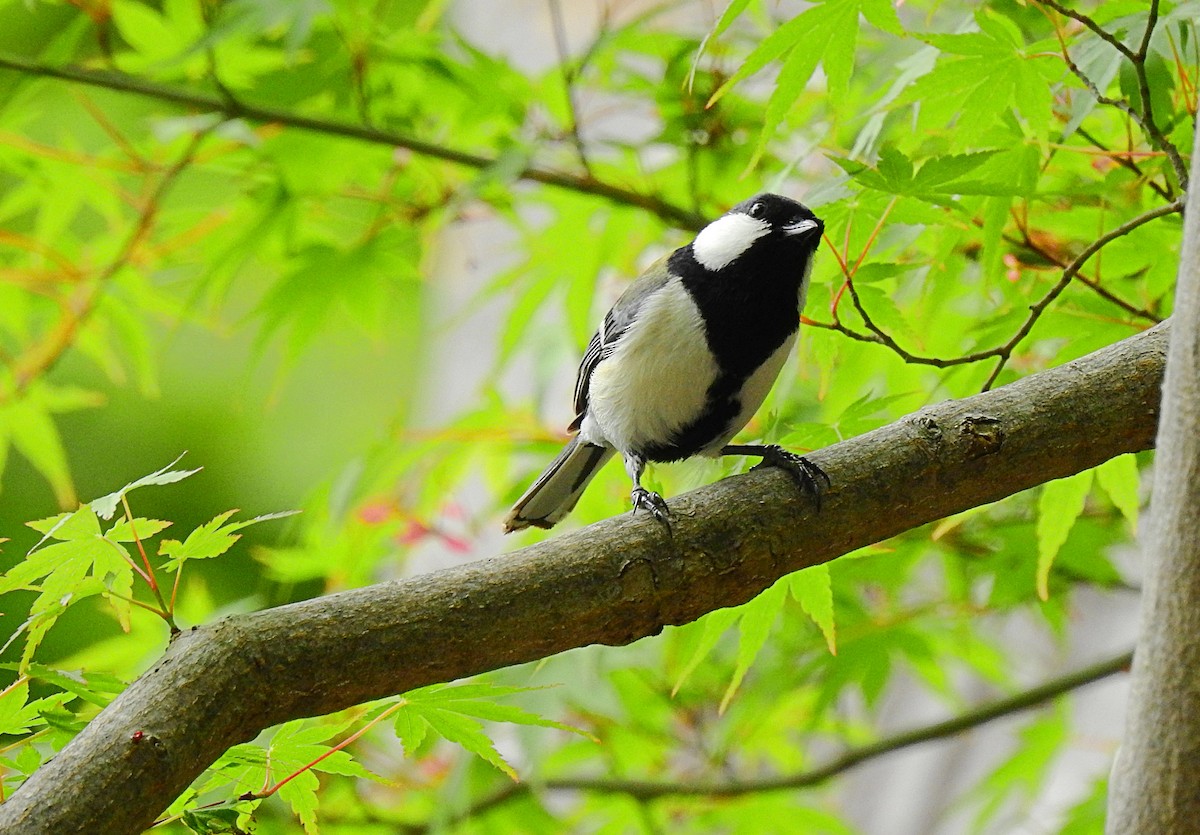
<point x="753" y="393"/>
<point x="656" y="381"/>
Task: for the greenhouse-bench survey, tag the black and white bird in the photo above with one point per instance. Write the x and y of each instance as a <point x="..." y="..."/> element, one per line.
<point x="685" y="358"/>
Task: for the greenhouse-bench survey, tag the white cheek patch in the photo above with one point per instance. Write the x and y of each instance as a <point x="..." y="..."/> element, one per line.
<point x="724" y="240"/>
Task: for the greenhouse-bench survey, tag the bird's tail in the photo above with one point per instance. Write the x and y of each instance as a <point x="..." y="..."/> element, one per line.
<point x="559" y="487"/>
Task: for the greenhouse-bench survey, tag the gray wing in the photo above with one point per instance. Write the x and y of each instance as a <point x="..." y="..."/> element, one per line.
<point x="615" y="323"/>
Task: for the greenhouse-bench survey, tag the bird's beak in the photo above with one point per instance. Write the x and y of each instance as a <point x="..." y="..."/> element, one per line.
<point x="804" y="228"/>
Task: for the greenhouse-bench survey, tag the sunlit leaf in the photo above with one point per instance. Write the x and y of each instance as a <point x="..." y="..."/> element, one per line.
<point x="106" y="506"/>
<point x="1059" y="505"/>
<point x="1120" y="479"/>
<point x="211" y="539"/>
<point x="813" y="590"/>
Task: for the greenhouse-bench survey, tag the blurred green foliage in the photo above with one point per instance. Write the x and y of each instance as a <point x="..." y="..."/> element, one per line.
<point x="180" y="272"/>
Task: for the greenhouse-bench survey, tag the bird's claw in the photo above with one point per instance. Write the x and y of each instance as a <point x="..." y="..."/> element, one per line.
<point x="805" y="473"/>
<point x="654" y="503"/>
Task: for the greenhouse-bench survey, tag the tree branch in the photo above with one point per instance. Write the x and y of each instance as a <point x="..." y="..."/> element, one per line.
<point x="1144" y="117"/>
<point x="611" y="583"/>
<point x="1036" y="310"/>
<point x="238" y="109"/>
<point x="44" y="354"/>
<point x="1001" y="352"/>
<point x="650" y="789"/>
<point x="654" y="789"/>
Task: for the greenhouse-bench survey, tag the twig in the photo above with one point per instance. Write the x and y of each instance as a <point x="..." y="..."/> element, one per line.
<point x="1035" y="311"/>
<point x="1144" y="117"/>
<point x="654" y="789"/>
<point x="1156" y="135"/>
<point x="1125" y="161"/>
<point x="1100" y="31"/>
<point x="668" y="212"/>
<point x="1001" y="352"/>
<point x="42" y="356"/>
<point x="568" y="76"/>
<point x="1094" y="284"/>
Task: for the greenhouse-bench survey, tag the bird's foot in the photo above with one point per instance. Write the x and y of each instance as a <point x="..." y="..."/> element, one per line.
<point x="806" y="474"/>
<point x="652" y="502"/>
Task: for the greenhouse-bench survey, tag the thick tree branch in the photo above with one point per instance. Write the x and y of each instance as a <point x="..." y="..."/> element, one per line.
<point x="610" y="583"/>
<point x="236" y="109"/>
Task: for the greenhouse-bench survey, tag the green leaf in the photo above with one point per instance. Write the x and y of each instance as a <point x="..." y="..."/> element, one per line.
<point x="731" y="13"/>
<point x="411" y="729"/>
<point x="82" y="562"/>
<point x="466" y="732"/>
<point x="882" y="15"/>
<point x="493" y="712"/>
<point x="146" y="30"/>
<point x="17" y="716"/>
<point x="938" y="173"/>
<point x="1059" y="506"/>
<point x="80" y="544"/>
<point x="451" y="711"/>
<point x="477" y="699"/>
<point x="829" y="35"/>
<point x="211" y="539"/>
<point x="773" y="46"/>
<point x="212" y="821"/>
<point x="895" y="168"/>
<point x="124" y="530"/>
<point x="757" y="617"/>
<point x="106" y="506"/>
<point x="1120" y="479"/>
<point x="31" y="431"/>
<point x="1025" y="772"/>
<point x="716" y="624"/>
<point x="812" y="588"/>
<point x="95" y="688"/>
<point x="995" y="218"/>
<point x="301" y="794"/>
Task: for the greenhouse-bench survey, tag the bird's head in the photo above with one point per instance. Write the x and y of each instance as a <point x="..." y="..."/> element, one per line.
<point x="764" y="222"/>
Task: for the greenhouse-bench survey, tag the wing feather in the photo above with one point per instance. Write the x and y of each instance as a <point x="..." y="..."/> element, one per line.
<point x="604" y="341"/>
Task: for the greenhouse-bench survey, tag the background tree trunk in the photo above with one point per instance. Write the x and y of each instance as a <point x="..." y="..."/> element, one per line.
<point x="1156" y="779"/>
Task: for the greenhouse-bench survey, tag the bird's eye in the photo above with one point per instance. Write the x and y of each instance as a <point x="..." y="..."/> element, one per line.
<point x="758" y="209"/>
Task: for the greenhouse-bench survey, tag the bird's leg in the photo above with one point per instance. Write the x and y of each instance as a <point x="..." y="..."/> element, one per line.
<point x="807" y="474"/>
<point x="635" y="465"/>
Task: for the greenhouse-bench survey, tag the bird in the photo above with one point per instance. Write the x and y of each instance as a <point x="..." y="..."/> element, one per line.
<point x="685" y="358"/>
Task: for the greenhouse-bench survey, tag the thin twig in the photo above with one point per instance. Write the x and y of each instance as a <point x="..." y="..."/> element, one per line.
<point x="668" y="212"/>
<point x="1094" y="284"/>
<point x="1157" y="137"/>
<point x="654" y="789"/>
<point x="1100" y="31"/>
<point x="1126" y="161"/>
<point x="1144" y="117"/>
<point x="1000" y="352"/>
<point x="45" y="354"/>
<point x="1036" y="310"/>
<point x="568" y="77"/>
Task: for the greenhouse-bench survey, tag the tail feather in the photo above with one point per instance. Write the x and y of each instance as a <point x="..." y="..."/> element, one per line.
<point x="555" y="492"/>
